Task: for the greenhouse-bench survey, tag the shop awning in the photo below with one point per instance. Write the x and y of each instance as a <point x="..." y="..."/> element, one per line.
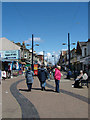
<point x="28" y="65"/>
<point x="7" y="60"/>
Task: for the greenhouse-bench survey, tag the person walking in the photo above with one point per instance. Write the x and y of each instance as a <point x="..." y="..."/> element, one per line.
<point x="42" y="76"/>
<point x="29" y="78"/>
<point x="57" y="77"/>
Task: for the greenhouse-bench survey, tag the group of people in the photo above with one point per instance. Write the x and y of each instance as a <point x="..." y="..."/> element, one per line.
<point x="42" y="76"/>
<point x="51" y="72"/>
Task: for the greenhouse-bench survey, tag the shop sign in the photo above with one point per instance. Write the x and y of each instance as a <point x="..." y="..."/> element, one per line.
<point x="35" y="69"/>
<point x="10" y="54"/>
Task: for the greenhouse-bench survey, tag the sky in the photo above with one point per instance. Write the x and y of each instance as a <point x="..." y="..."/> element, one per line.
<point x="49" y="22"/>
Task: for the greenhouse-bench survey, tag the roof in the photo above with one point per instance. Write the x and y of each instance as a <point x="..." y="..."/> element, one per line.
<point x="64" y="52"/>
<point x="6" y="44"/>
<point x="73" y="50"/>
<point x="83" y="43"/>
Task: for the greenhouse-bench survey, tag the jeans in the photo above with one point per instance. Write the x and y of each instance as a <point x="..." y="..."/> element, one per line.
<point x="57" y="85"/>
<point x="43" y="85"/>
<point x="29" y="86"/>
<point x="48" y="76"/>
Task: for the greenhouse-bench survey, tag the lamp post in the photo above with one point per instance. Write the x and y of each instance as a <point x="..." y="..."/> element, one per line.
<point x="32" y="54"/>
<point x="43" y="57"/>
<point x="69" y="54"/>
<point x="69" y="51"/>
<point x="32" y="50"/>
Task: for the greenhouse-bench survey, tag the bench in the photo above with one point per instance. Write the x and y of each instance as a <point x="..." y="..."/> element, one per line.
<point x="84" y="83"/>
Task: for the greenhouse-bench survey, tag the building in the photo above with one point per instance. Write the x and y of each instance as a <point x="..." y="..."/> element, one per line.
<point x="26" y="55"/>
<point x="82" y="53"/>
<point x="10" y="56"/>
<point x="63" y="59"/>
<point x="73" y="60"/>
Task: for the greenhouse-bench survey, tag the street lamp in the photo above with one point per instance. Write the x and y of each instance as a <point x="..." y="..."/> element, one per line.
<point x="43" y="57"/>
<point x="32" y="50"/>
<point x="33" y="45"/>
<point x="69" y="49"/>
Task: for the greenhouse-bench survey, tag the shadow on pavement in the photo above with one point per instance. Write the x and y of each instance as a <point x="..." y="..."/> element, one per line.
<point x="23" y="90"/>
<point x="48" y="90"/>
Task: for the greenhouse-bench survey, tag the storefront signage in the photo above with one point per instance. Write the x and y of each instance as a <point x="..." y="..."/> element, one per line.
<point x="10" y="54"/>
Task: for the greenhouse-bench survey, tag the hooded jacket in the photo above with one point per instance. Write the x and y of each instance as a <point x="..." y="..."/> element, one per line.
<point x="57" y="75"/>
<point x="29" y="76"/>
<point x="42" y="75"/>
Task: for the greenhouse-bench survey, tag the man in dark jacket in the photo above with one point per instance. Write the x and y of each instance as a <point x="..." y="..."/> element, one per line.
<point x="42" y="75"/>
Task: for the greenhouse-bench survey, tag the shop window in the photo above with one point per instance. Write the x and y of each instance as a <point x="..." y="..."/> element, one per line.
<point x="14" y="65"/>
<point x="25" y="56"/>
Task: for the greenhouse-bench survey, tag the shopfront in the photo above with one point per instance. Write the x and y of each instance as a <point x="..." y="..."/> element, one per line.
<point x="10" y="62"/>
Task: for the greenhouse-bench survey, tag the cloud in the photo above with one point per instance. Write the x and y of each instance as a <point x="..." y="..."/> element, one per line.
<point x="53" y="52"/>
<point x="40" y="53"/>
<point x="36" y="39"/>
<point x="49" y="55"/>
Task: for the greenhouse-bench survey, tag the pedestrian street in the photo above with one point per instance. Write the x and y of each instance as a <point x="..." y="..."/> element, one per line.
<point x="17" y="102"/>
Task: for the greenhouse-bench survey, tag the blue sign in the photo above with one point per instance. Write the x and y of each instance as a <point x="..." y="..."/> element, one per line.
<point x="10" y="54"/>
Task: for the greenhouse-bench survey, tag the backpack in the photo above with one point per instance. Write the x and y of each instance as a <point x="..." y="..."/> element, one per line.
<point x="29" y="76"/>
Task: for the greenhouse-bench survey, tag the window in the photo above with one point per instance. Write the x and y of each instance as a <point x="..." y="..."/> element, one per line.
<point x="85" y="52"/>
<point x="25" y="56"/>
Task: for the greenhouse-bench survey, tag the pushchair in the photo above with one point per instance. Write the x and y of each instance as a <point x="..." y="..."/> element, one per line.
<point x="77" y="83"/>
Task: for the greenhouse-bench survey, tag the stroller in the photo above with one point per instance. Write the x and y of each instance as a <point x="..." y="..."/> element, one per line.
<point x="77" y="83"/>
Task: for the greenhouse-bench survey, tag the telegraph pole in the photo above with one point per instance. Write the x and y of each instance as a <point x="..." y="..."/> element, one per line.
<point x="69" y="51"/>
<point x="32" y="54"/>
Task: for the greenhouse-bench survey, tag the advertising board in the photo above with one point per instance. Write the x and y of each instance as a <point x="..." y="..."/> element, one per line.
<point x="10" y="54"/>
<point x="35" y="69"/>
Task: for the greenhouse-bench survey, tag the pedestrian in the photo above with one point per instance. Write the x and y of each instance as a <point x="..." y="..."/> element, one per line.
<point x="69" y="74"/>
<point x="85" y="76"/>
<point x="48" y="72"/>
<point x="53" y="71"/>
<point x="42" y="76"/>
<point x="84" y="79"/>
<point x="57" y="77"/>
<point x="29" y="78"/>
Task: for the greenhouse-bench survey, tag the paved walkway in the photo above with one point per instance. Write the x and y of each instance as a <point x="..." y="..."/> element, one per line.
<point x="69" y="103"/>
<point x="0" y="101"/>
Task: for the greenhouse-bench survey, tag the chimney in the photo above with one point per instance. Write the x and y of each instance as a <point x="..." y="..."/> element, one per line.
<point x="23" y="44"/>
<point x="18" y="44"/>
<point x="89" y="40"/>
